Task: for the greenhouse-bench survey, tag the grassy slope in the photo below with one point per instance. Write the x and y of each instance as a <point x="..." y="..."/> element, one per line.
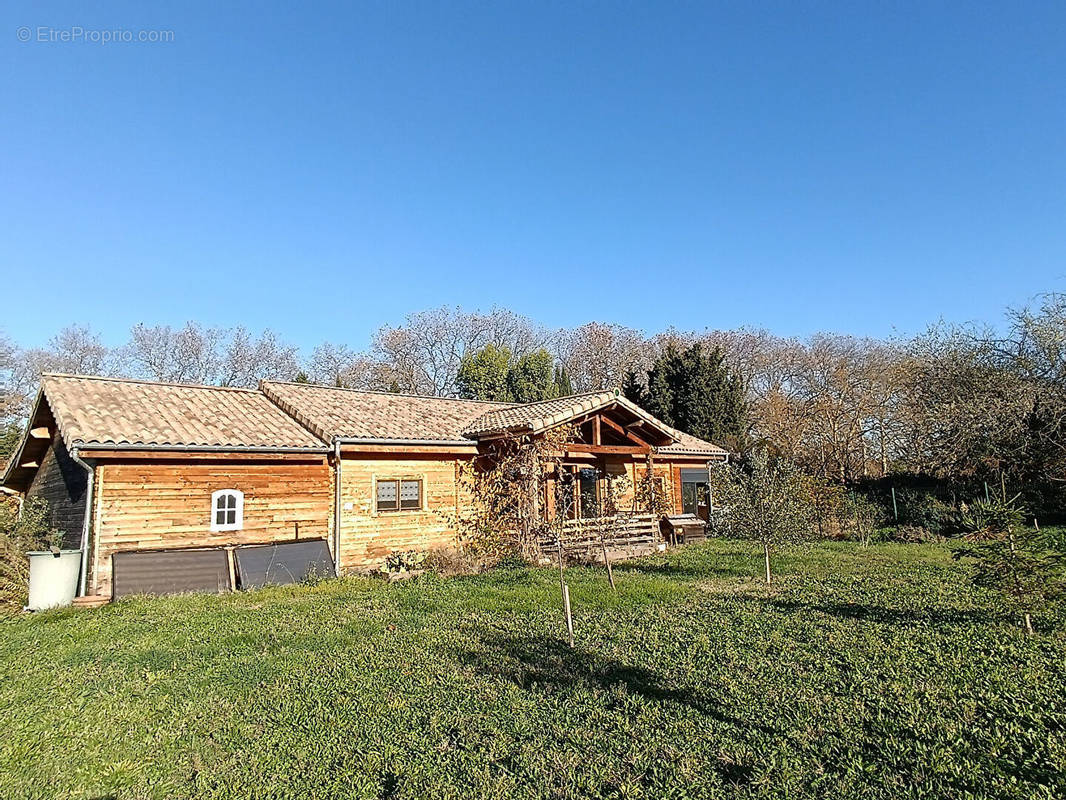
<point x="873" y="673"/>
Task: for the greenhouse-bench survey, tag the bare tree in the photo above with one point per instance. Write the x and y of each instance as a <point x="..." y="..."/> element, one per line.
<point x="189" y="355"/>
<point x="11" y="401"/>
<point x="338" y="365"/>
<point x="423" y="354"/>
<point x="598" y="355"/>
<point x="76" y="350"/>
<point x="247" y="360"/>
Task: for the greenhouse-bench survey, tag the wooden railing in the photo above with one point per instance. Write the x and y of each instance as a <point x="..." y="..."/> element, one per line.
<point x="588" y="537"/>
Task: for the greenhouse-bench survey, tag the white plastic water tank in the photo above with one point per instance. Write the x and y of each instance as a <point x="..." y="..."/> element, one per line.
<point x="53" y="578"/>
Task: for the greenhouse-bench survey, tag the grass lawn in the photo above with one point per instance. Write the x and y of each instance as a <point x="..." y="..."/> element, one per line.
<point x="875" y="673"/>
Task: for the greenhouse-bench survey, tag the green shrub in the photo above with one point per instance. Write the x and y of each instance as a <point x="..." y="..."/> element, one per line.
<point x="19" y="534"/>
<point x="404" y="561"/>
<point x="923" y="509"/>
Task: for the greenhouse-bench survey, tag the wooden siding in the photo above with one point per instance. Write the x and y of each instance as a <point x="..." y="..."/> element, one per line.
<point x="153" y="505"/>
<point x="61" y="482"/>
<point x="368" y="536"/>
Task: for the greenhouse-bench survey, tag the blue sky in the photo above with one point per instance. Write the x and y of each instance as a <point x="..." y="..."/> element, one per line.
<point x="857" y="167"/>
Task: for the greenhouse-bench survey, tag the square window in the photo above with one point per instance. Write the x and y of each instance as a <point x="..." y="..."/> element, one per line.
<point x="411" y="495"/>
<point x="387" y="499"/>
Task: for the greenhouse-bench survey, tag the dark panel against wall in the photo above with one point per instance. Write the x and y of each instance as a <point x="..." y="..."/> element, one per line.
<point x="171" y="572"/>
<point x="62" y="482"/>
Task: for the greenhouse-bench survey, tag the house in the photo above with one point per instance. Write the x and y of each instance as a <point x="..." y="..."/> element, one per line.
<point x="136" y="467"/>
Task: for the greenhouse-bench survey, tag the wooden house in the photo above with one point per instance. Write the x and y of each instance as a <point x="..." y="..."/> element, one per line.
<point x="132" y="466"/>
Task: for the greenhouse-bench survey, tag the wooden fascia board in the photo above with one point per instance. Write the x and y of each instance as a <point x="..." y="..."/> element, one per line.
<point x="407" y="449"/>
<point x="113" y="454"/>
<point x="697" y="459"/>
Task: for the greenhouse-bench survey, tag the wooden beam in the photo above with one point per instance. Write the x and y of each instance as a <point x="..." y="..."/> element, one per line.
<point x="40" y="433"/>
<point x="571" y="455"/>
<point x="596" y="430"/>
<point x="605" y="449"/>
<point x="624" y="431"/>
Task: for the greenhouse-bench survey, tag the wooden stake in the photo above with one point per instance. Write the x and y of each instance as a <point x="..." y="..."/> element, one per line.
<point x="895" y="511"/>
<point x="607" y="562"/>
<point x="569" y="615"/>
<point x="766" y="556"/>
<point x="230" y="558"/>
<point x="565" y="591"/>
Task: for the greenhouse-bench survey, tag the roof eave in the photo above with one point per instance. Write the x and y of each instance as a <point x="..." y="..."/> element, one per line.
<point x="413" y="442"/>
<point x="19" y="451"/>
<point x="197" y="448"/>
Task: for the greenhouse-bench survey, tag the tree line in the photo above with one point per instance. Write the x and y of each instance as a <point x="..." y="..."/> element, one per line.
<point x="955" y="403"/>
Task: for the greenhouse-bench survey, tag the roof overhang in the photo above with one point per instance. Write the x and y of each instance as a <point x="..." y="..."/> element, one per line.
<point x="406" y="446"/>
<point x="31" y="448"/>
<point x="648" y="427"/>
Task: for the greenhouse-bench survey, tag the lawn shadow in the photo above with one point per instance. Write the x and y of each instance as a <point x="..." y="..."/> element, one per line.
<point x="550" y="666"/>
<point x="679" y="571"/>
<point x="932" y="617"/>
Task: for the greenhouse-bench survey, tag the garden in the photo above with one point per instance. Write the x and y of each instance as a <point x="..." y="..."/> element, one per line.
<point x="875" y="671"/>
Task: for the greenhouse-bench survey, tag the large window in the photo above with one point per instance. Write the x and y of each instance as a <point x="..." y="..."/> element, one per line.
<point x="227" y="510"/>
<point x="696" y="493"/>
<point x="398" y="494"/>
<point x="577" y="492"/>
<point x="588" y="485"/>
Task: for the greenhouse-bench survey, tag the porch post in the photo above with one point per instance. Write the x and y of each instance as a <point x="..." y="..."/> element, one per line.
<point x="710" y="491"/>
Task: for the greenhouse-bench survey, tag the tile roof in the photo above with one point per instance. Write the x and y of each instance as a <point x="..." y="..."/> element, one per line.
<point x="536" y="417"/>
<point x="357" y="414"/>
<point x="687" y="444"/>
<point x="283" y="416"/>
<point x="91" y="410"/>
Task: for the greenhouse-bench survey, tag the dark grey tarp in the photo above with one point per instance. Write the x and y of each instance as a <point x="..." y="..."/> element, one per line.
<point x="170" y="572"/>
<point x="284" y="562"/>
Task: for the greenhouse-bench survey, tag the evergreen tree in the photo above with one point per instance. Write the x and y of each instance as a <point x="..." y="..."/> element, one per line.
<point x="532" y="377"/>
<point x="484" y="375"/>
<point x="301" y="377"/>
<point x="563" y="387"/>
<point x="694" y="391"/>
<point x="633" y="389"/>
<point x="1020" y="563"/>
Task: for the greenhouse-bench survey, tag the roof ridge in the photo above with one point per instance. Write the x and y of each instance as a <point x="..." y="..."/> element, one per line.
<point x="147" y="382"/>
<point x="392" y="394"/>
<point x="615" y="392"/>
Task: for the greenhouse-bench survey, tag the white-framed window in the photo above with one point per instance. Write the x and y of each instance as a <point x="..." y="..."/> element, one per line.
<point x="398" y="494"/>
<point x="227" y="510"/>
